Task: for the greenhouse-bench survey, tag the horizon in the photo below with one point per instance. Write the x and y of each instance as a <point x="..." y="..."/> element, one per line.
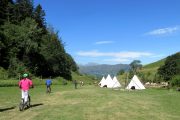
<point x="115" y="31"/>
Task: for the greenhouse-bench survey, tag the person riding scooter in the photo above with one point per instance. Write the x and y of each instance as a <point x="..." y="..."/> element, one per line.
<point x="25" y="84"/>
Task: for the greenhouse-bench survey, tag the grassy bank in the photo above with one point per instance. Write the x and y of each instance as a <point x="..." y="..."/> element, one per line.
<point x="14" y="82"/>
<point x="91" y="103"/>
<point x="10" y="82"/>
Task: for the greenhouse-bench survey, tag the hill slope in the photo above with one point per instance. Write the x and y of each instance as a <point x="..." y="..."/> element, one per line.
<point x="149" y="71"/>
<point x="156" y="64"/>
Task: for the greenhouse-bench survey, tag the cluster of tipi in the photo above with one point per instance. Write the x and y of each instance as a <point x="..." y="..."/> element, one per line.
<point x="114" y="83"/>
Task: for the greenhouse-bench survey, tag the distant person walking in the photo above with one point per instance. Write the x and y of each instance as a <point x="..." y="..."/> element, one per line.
<point x="48" y="85"/>
<point x="75" y="84"/>
<point x="81" y="83"/>
<point x="25" y="84"/>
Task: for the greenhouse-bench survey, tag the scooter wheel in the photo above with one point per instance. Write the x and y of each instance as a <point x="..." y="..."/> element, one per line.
<point x="21" y="107"/>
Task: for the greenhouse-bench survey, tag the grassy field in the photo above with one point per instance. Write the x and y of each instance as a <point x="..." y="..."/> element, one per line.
<point x="91" y="103"/>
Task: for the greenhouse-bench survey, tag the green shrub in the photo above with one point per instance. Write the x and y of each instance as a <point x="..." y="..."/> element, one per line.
<point x="175" y="81"/>
<point x="8" y="83"/>
<point x="3" y="74"/>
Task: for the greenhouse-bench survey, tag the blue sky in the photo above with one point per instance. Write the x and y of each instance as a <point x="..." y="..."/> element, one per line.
<point x="116" y="31"/>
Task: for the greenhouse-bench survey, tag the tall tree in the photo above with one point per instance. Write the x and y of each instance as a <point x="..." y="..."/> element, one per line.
<point x="2" y="49"/>
<point x="72" y="63"/>
<point x="3" y="10"/>
<point x="21" y="10"/>
<point x="54" y="52"/>
<point x="171" y="67"/>
<point x="135" y="65"/>
<point x="39" y="16"/>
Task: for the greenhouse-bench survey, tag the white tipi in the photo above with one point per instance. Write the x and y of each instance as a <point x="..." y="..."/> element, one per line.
<point x="116" y="83"/>
<point x="102" y="82"/>
<point x="109" y="81"/>
<point x="135" y="82"/>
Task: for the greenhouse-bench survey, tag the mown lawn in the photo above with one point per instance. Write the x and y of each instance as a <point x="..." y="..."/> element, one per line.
<point x="91" y="103"/>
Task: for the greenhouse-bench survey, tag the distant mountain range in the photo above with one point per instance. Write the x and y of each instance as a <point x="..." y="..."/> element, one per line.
<point x="102" y="69"/>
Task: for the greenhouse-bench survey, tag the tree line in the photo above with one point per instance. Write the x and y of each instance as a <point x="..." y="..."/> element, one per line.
<point x="28" y="44"/>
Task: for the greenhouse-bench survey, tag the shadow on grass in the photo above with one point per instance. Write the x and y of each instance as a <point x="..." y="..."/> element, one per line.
<point x="35" y="105"/>
<point x="6" y="109"/>
<point x="31" y="106"/>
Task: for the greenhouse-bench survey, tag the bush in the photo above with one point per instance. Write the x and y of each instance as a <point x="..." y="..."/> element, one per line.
<point x="175" y="81"/>
<point x="178" y="89"/>
<point x="3" y="74"/>
<point x="8" y="83"/>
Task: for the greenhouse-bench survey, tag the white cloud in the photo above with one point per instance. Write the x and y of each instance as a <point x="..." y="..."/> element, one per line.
<point x="158" y="56"/>
<point x="93" y="53"/>
<point x="113" y="54"/>
<point x="119" y="57"/>
<point x="116" y="60"/>
<point x="163" y="31"/>
<point x="103" y="42"/>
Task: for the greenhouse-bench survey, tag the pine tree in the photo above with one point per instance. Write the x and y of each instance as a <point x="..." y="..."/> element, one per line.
<point x="39" y="15"/>
<point x="3" y="10"/>
<point x="21" y="10"/>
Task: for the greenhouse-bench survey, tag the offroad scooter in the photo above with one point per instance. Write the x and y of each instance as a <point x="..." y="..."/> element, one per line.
<point x="25" y="105"/>
<point x="48" y="89"/>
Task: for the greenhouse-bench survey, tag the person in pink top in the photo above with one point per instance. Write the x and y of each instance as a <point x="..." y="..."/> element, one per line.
<point x="25" y="84"/>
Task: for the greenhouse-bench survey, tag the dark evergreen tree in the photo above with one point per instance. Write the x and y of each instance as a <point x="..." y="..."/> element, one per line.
<point x="39" y="15"/>
<point x="58" y="61"/>
<point x="2" y="50"/>
<point x="171" y="67"/>
<point x="3" y="10"/>
<point x="21" y="10"/>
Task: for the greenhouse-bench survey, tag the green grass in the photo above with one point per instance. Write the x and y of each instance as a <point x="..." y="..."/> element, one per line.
<point x="14" y="82"/>
<point x="91" y="103"/>
<point x="155" y="64"/>
<point x="9" y="82"/>
<point x="85" y="78"/>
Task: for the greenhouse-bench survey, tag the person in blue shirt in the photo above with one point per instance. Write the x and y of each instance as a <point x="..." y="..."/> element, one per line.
<point x="48" y="85"/>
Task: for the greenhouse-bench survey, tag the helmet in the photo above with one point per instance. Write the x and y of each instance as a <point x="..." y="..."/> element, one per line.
<point x="25" y="75"/>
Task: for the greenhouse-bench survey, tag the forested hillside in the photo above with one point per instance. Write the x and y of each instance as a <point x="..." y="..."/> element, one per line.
<point x="28" y="45"/>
